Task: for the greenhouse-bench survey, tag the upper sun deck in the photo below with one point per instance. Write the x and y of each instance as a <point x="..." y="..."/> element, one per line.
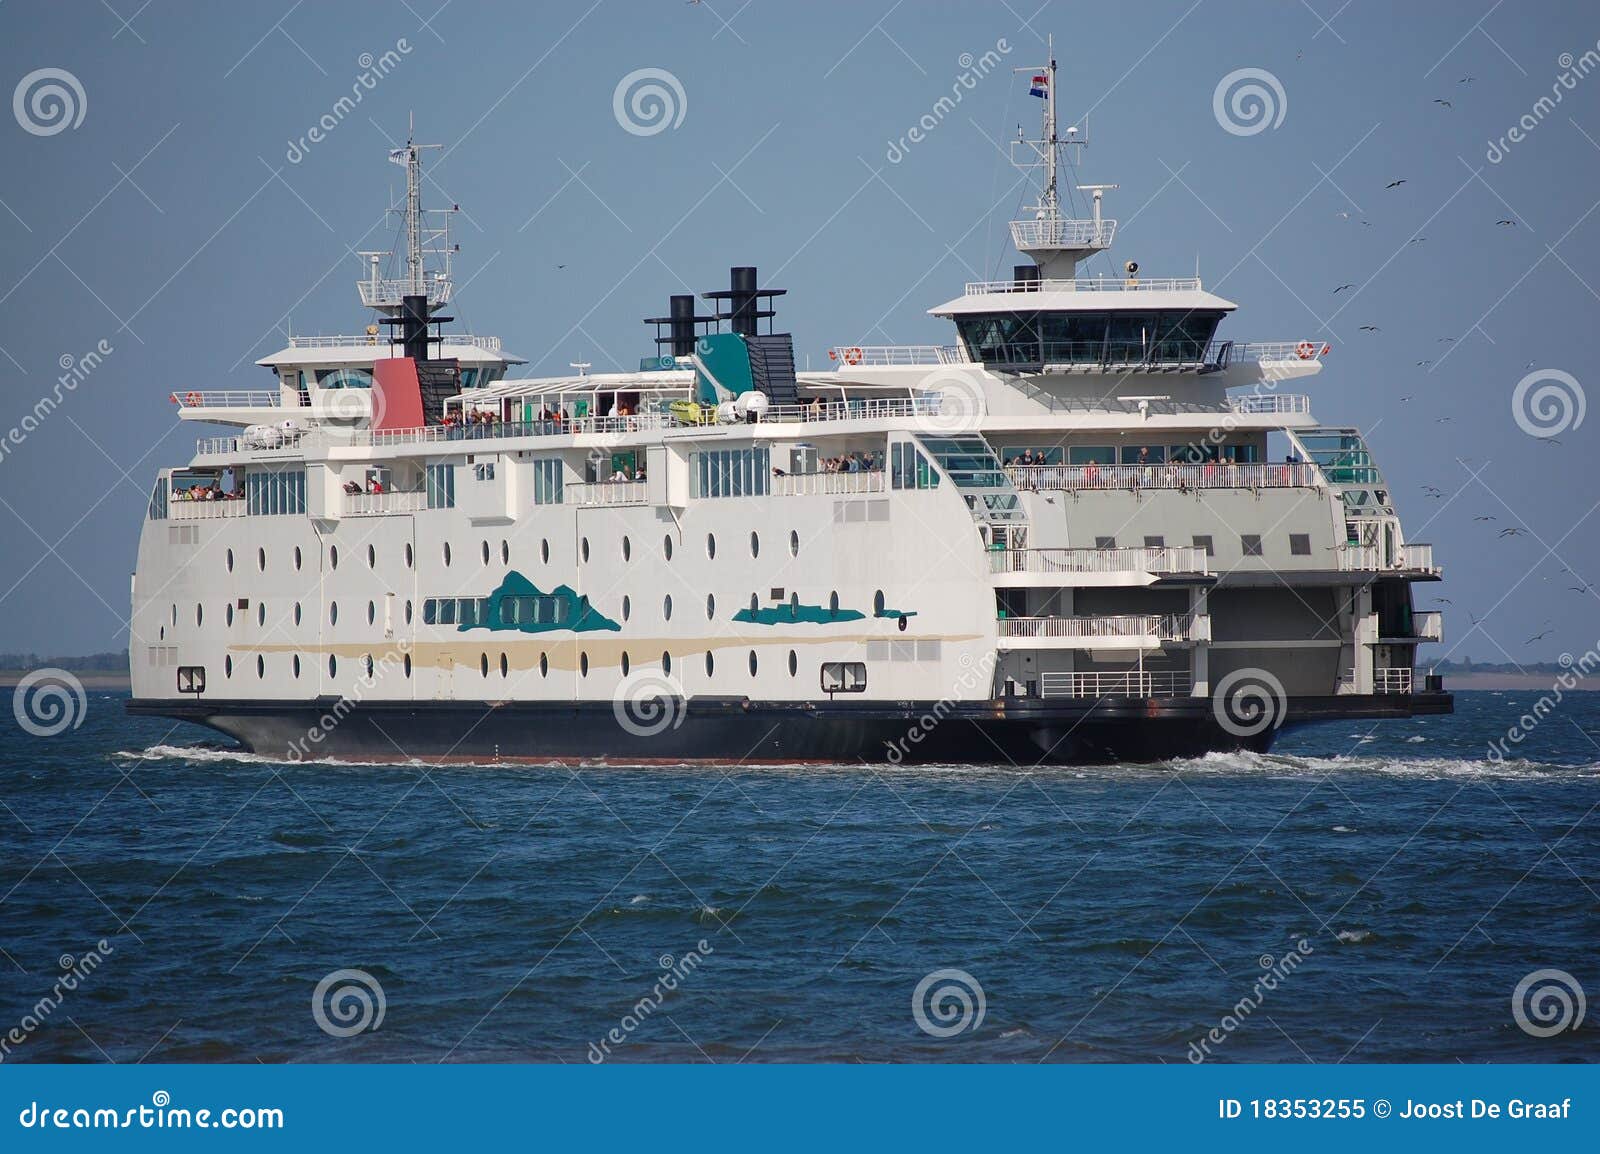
<point x="1084" y="294"/>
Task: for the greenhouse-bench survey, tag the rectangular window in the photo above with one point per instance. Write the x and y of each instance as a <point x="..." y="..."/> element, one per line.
<point x="430" y="612"/>
<point x="447" y="611"/>
<point x="1091" y="455"/>
<point x="1300" y="544"/>
<point x="483" y="471"/>
<point x="1105" y="542"/>
<point x="1203" y="541"/>
<point x="1155" y="542"/>
<point x="158" y="500"/>
<point x="441" y="485"/>
<point x="844" y="677"/>
<point x="1250" y="544"/>
<point x="548" y="481"/>
<point x="731" y="473"/>
<point x="274" y="493"/>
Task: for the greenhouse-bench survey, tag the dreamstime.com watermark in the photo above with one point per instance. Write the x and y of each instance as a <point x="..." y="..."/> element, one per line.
<point x="1276" y="971"/>
<point x="648" y="101"/>
<point x="1573" y="69"/>
<point x="76" y="970"/>
<point x="948" y="1002"/>
<point x="1548" y="402"/>
<point x="1548" y="1002"/>
<point x="1574" y="670"/>
<point x="49" y="100"/>
<point x="47" y="702"/>
<point x="1248" y="101"/>
<point x="161" y="1114"/>
<point x="973" y="69"/>
<point x="674" y="972"/>
<point x="373" y="69"/>
<point x="348" y="1002"/>
<point x="75" y="370"/>
<point x="375" y="671"/>
<point x="974" y="673"/>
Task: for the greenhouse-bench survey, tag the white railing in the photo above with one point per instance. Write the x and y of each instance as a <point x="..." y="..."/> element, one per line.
<point x="376" y="293"/>
<point x="1132" y="683"/>
<point x="1162" y="627"/>
<point x="362" y="340"/>
<point x="825" y="484"/>
<point x="181" y="510"/>
<point x="230" y="399"/>
<point x="1419" y="557"/>
<point x="217" y="446"/>
<point x="1164" y="559"/>
<point x="606" y="493"/>
<point x="1429" y="625"/>
<point x="1310" y="352"/>
<point x="850" y="355"/>
<point x="862" y="409"/>
<point x="1086" y="285"/>
<point x="1369" y="558"/>
<point x="1299" y="475"/>
<point x="1271" y="403"/>
<point x="1026" y="234"/>
<point x="1391" y="681"/>
<point x="382" y="504"/>
<point x="1359" y="558"/>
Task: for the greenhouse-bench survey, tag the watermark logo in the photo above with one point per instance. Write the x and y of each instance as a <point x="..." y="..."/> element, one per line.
<point x="648" y="702"/>
<point x="49" y="100"/>
<point x="1573" y="671"/>
<point x="1573" y="69"/>
<point x="373" y="69"/>
<point x="973" y="69"/>
<point x="1274" y="972"/>
<point x="948" y="1002"/>
<point x="1248" y="702"/>
<point x="347" y="1003"/>
<point x="1248" y="101"/>
<point x="1548" y="1002"/>
<point x="74" y="972"/>
<point x="47" y="702"/>
<point x="1548" y="402"/>
<point x="949" y="403"/>
<point x="648" y="101"/>
<point x="675" y="971"/>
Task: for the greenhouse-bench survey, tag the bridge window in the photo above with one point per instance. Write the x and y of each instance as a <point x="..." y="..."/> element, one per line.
<point x="349" y="378"/>
<point x="1300" y="544"/>
<point x="270" y="493"/>
<point x="1250" y="544"/>
<point x="731" y="473"/>
<point x="158" y="500"/>
<point x="441" y="486"/>
<point x="548" y="481"/>
<point x="910" y="469"/>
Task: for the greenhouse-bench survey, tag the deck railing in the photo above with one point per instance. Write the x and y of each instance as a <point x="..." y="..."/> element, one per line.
<point x="1165" y="559"/>
<point x="362" y="340"/>
<point x="206" y="510"/>
<point x="879" y="355"/>
<point x="1132" y="683"/>
<point x="383" y="504"/>
<point x="1087" y="285"/>
<point x="1168" y="475"/>
<point x="1391" y="680"/>
<point x="606" y="493"/>
<point x="1369" y="558"/>
<point x="1061" y="233"/>
<point x="1163" y="627"/>
<point x="823" y="484"/>
<point x="230" y="399"/>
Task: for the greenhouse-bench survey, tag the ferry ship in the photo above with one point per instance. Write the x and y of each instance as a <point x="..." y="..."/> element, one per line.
<point x="1090" y="528"/>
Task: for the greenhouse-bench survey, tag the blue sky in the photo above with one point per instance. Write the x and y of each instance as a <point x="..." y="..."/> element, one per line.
<point x="171" y="224"/>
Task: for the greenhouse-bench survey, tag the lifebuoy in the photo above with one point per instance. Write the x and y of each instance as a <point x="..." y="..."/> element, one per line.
<point x="1305" y="350"/>
<point x="192" y="400"/>
<point x="852" y="356"/>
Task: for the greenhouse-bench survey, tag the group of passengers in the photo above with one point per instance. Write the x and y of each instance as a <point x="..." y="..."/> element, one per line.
<point x="853" y="463"/>
<point x="212" y="492"/>
<point x="623" y="475"/>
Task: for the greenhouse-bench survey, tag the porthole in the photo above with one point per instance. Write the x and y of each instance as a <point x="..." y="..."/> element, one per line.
<point x="261" y="559"/>
<point x="544" y="552"/>
<point x="372" y="557"/>
<point x="627" y="549"/>
<point x="199" y="614"/>
<point x="752" y="663"/>
<point x="666" y="607"/>
<point x="505" y="552"/>
<point x="295" y="665"/>
<point x="483" y="664"/>
<point x="333" y="613"/>
<point x="627" y="608"/>
<point x="411" y="557"/>
<point x="174" y="616"/>
<point x="367" y="661"/>
<point x="161" y="634"/>
<point x="229" y="613"/>
<point x="544" y="665"/>
<point x="666" y="546"/>
<point x="261" y="667"/>
<point x="261" y="613"/>
<point x="755" y="604"/>
<point x="230" y="560"/>
<point x="408" y="611"/>
<point x="583" y="550"/>
<point x="505" y="666"/>
<point x="755" y="544"/>
<point x="877" y="603"/>
<point x="298" y="559"/>
<point x="794" y="543"/>
<point x="447" y="553"/>
<point x="333" y="556"/>
<point x="833" y="604"/>
<point x="711" y="606"/>
<point x="794" y="663"/>
<point x="333" y="666"/>
<point x="583" y="664"/>
<point x="711" y="546"/>
<point x="372" y="612"/>
<point x="794" y="605"/>
<point x="406" y="663"/>
<point x="624" y="664"/>
<point x="710" y="663"/>
<point x="297" y="612"/>
<point x="227" y="666"/>
<point x="666" y="663"/>
<point x="486" y="552"/>
<point x="900" y="622"/>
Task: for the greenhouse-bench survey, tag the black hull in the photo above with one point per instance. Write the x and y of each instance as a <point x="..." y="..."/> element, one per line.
<point x="1016" y="731"/>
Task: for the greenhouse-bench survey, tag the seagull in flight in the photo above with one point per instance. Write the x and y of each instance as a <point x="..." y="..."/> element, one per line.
<point x="1539" y="636"/>
<point x="1446" y="103"/>
<point x="1421" y="363"/>
<point x="1394" y="183"/>
<point x="1371" y="329"/>
<point x="1513" y="532"/>
<point x="1341" y="288"/>
<point x="1446" y="341"/>
<point x="1507" y="223"/>
<point x="1416" y="240"/>
<point x="1485" y="518"/>
<point x="1466" y="80"/>
<point x="1405" y="398"/>
<point x="1443" y="601"/>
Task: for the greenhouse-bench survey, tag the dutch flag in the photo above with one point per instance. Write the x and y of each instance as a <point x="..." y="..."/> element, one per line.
<point x="1041" y="86"/>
